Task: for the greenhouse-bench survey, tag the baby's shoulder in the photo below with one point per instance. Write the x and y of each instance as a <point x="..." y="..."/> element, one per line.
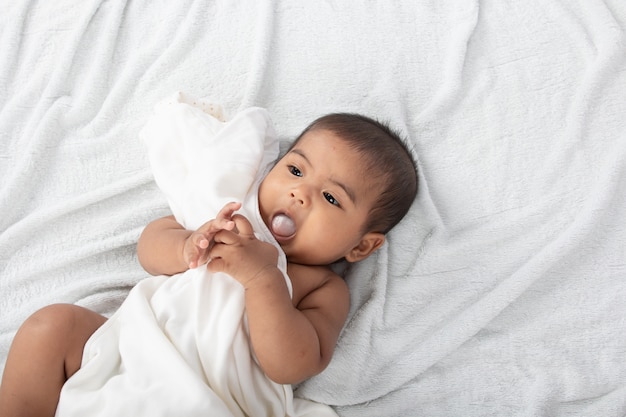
<point x="312" y="283"/>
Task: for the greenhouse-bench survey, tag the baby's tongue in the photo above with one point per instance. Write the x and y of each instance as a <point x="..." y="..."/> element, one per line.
<point x="282" y="225"/>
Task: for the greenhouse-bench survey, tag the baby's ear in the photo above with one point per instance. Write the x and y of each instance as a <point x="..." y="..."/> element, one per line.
<point x="368" y="245"/>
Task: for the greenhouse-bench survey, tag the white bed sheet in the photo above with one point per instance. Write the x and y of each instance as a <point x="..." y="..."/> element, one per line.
<point x="501" y="293"/>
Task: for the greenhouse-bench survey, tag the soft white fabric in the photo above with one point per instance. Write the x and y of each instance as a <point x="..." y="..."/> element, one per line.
<point x="179" y="345"/>
<point x="501" y="293"/>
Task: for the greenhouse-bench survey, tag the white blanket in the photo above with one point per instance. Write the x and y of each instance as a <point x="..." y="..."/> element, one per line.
<point x="503" y="291"/>
<point x="178" y="346"/>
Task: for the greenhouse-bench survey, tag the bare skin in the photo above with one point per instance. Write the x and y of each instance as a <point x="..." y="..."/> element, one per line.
<point x="318" y="185"/>
<point x="293" y="337"/>
<point x="46" y="351"/>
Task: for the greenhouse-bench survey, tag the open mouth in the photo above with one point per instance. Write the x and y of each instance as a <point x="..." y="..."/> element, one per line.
<point x="283" y="227"/>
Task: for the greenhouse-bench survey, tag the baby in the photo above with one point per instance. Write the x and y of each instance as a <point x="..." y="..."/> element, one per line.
<point x="343" y="184"/>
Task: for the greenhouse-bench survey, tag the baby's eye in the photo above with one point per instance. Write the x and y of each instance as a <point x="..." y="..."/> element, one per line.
<point x="295" y="171"/>
<point x="331" y="199"/>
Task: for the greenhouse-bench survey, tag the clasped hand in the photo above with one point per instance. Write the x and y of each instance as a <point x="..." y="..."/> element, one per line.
<point x="229" y="245"/>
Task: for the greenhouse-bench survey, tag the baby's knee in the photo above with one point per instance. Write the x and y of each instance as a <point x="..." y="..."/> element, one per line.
<point x="54" y="320"/>
<point x="46" y="333"/>
<point x="61" y="329"/>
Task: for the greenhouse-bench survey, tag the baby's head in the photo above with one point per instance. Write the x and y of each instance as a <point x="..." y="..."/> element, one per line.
<point x="344" y="183"/>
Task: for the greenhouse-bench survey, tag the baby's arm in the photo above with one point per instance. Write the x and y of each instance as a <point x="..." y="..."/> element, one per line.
<point x="296" y="342"/>
<point x="291" y="342"/>
<point x="167" y="248"/>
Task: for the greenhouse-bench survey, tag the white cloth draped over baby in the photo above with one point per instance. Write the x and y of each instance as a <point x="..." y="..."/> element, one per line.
<point x="178" y="346"/>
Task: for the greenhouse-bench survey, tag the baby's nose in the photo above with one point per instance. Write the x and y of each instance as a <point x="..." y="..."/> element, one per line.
<point x="300" y="195"/>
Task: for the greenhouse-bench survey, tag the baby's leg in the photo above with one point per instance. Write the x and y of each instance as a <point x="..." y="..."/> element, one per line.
<point x="46" y="351"/>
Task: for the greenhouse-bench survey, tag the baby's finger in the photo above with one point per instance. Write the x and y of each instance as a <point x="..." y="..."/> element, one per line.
<point x="226" y="237"/>
<point x="192" y="259"/>
<point x="200" y="240"/>
<point x="198" y="258"/>
<point x="196" y="249"/>
<point x="228" y="210"/>
<point x="243" y="225"/>
<point x="221" y="224"/>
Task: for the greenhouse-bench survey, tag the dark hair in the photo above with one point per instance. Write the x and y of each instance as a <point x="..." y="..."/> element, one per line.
<point x="387" y="155"/>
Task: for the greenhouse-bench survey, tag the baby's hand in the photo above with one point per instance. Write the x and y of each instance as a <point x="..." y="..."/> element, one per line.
<point x="198" y="244"/>
<point x="240" y="254"/>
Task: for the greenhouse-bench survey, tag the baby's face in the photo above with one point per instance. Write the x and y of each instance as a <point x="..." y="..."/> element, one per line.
<point x="315" y="201"/>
